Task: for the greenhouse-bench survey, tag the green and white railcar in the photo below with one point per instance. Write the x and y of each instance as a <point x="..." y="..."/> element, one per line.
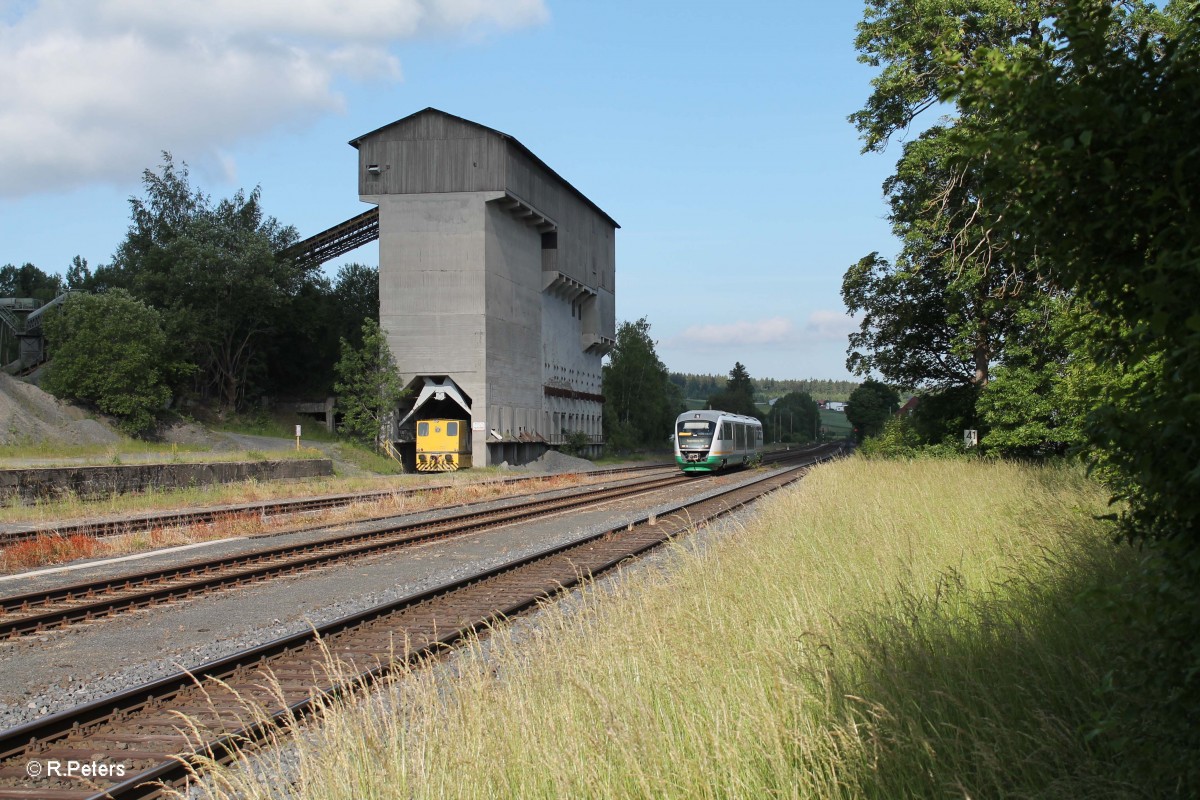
<point x="707" y="441"/>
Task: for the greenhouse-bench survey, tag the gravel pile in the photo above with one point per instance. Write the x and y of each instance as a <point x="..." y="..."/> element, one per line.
<point x="553" y="462"/>
<point x="29" y="416"/>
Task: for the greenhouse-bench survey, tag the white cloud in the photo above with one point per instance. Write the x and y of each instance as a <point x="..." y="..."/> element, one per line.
<point x="775" y="330"/>
<point x="777" y="334"/>
<point x="90" y="91"/>
<point x="830" y="325"/>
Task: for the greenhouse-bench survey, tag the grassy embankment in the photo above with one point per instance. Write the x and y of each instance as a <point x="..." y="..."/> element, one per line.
<point x="886" y="630"/>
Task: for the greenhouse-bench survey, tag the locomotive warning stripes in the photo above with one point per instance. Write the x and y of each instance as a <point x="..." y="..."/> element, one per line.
<point x="437" y="462"/>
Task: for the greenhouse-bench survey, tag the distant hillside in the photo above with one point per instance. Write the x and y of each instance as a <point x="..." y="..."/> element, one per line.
<point x="700" y="387"/>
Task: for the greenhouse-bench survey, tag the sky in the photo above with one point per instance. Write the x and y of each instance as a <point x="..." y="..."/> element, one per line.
<point x="714" y="133"/>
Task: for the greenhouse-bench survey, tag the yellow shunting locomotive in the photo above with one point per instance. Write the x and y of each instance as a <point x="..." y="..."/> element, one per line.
<point x="443" y="445"/>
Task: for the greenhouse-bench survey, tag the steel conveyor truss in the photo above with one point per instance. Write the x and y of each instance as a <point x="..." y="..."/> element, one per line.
<point x="340" y="239"/>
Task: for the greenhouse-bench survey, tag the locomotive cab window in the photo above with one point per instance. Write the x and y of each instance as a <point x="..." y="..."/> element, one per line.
<point x="452" y="429"/>
<point x="695" y="434"/>
<point x="422" y="429"/>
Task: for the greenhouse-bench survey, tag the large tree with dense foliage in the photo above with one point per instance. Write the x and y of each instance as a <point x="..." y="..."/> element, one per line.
<point x="356" y="297"/>
<point x="1097" y="155"/>
<point x="967" y="281"/>
<point x="738" y="395"/>
<point x="214" y="269"/>
<point x="920" y="47"/>
<point x="640" y="401"/>
<point x="871" y="405"/>
<point x="110" y="350"/>
<point x="304" y="346"/>
<point x="940" y="315"/>
<point x="1053" y="376"/>
<point x="795" y="417"/>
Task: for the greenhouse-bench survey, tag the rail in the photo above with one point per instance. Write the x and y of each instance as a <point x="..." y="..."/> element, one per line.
<point x="139" y="729"/>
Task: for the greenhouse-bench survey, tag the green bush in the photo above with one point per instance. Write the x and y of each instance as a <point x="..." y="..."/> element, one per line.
<point x="110" y="350"/>
<point x="901" y="439"/>
<point x="575" y="443"/>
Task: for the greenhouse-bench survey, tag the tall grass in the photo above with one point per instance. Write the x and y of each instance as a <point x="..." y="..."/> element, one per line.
<point x="100" y="453"/>
<point x="50" y="455"/>
<point x="926" y="629"/>
<point x="278" y="425"/>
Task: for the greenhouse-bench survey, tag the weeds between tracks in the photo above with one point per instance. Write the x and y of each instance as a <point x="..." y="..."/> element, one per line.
<point x="49" y="549"/>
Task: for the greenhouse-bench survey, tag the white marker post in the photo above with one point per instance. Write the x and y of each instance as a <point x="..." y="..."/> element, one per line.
<point x="297" y="437"/>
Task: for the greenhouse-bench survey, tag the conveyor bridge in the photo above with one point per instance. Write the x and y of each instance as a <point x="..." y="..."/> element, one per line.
<point x="21" y="325"/>
<point x="338" y="240"/>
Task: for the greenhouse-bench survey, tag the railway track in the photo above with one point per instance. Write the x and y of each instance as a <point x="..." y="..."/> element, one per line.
<point x="36" y="612"/>
<point x="140" y="739"/>
<point x="10" y="535"/>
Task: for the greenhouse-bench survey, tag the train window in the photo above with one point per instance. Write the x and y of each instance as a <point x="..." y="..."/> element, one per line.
<point x="727" y="431"/>
<point x="452" y="429"/>
<point x="422" y="429"/>
<point x="695" y="434"/>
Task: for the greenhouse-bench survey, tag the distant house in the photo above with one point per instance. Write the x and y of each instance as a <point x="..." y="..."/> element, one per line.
<point x="909" y="406"/>
<point x="834" y="405"/>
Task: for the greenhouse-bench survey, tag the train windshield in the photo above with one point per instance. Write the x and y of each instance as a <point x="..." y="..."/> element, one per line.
<point x="695" y="434"/>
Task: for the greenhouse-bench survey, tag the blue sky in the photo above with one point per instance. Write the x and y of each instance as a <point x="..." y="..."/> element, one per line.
<point x="714" y="133"/>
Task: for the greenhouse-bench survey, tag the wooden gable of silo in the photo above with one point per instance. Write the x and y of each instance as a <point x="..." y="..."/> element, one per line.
<point x="431" y="152"/>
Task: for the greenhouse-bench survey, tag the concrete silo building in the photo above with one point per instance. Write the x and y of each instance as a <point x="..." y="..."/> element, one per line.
<point x="496" y="285"/>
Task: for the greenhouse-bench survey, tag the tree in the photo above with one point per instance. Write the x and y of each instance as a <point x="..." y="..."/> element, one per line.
<point x="29" y="281"/>
<point x="794" y="417"/>
<point x="368" y="386"/>
<point x="110" y="350"/>
<point x="943" y="313"/>
<point x="1037" y="403"/>
<point x="905" y="332"/>
<point x="214" y="270"/>
<point x="738" y="395"/>
<point x="1096" y="155"/>
<point x="356" y="295"/>
<point x="1101" y="172"/>
<point x="870" y="406"/>
<point x="641" y="403"/>
<point x="739" y="381"/>
<point x="941" y="416"/>
<point x="303" y="346"/>
<point x="78" y="277"/>
<point x="921" y="47"/>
